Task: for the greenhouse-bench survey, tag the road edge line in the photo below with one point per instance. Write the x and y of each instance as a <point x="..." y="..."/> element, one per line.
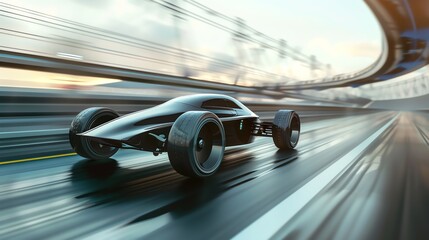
<point x="272" y="221"/>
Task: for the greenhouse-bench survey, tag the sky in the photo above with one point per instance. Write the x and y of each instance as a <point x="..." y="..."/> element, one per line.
<point x="344" y="34"/>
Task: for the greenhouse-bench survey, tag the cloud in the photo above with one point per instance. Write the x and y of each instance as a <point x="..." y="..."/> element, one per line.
<point x="161" y="33"/>
<point x="214" y="67"/>
<point x="94" y="3"/>
<point x="346" y="55"/>
<point x="360" y="49"/>
<point x="346" y="48"/>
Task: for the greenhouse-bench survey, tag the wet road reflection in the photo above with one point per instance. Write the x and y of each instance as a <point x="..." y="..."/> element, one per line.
<point x="136" y="195"/>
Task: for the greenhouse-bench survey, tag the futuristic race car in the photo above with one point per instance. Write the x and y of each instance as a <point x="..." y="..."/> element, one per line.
<point x="194" y="130"/>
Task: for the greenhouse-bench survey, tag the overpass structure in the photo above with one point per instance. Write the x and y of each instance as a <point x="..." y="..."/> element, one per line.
<point x="404" y="88"/>
<point x="405" y="48"/>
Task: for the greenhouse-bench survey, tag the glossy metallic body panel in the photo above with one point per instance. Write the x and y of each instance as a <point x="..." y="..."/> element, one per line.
<point x="139" y="129"/>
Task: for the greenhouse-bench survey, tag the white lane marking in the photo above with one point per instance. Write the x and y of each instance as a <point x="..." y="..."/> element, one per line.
<point x="271" y="222"/>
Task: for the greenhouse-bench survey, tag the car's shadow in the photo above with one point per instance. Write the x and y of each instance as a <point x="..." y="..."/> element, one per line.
<point x="94" y="169"/>
<point x="94" y="176"/>
<point x="106" y="181"/>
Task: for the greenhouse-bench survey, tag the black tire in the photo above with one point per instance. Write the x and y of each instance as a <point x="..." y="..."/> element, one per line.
<point x="196" y="144"/>
<point x="286" y="129"/>
<point x="85" y="120"/>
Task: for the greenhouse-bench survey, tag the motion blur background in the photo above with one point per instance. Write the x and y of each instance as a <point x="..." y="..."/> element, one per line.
<point x="269" y="45"/>
<point x="325" y="59"/>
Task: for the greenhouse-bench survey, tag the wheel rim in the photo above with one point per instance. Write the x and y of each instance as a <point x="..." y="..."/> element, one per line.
<point x="209" y="146"/>
<point x="96" y="147"/>
<point x="294" y="130"/>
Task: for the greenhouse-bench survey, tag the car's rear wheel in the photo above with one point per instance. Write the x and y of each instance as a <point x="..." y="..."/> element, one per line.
<point x="286" y="129"/>
<point x="84" y="121"/>
<point x="196" y="144"/>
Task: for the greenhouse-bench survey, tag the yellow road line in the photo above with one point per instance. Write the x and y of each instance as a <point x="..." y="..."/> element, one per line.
<point x="37" y="158"/>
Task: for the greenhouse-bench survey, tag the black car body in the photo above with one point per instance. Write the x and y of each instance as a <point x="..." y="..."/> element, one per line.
<point x="196" y="127"/>
<point x="138" y="129"/>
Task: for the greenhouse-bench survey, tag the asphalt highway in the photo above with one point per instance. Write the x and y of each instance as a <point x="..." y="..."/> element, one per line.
<point x="360" y="176"/>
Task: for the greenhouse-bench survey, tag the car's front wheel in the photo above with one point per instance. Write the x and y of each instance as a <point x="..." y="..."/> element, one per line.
<point x="196" y="144"/>
<point x="84" y="121"/>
